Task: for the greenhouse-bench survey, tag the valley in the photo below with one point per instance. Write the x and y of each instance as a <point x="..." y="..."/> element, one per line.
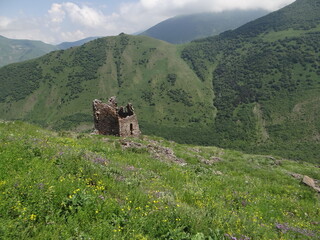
<point x="220" y="139"/>
<point x="254" y="89"/>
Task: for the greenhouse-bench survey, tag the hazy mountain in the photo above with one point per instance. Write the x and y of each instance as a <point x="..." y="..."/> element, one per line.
<point x="17" y="50"/>
<point x="66" y="45"/>
<point x="255" y="88"/>
<point x="186" y="28"/>
<point x="12" y="50"/>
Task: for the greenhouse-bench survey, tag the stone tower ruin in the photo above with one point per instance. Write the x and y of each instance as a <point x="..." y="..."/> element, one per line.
<point x="111" y="120"/>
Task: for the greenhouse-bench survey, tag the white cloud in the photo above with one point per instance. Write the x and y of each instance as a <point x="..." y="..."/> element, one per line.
<point x="73" y="35"/>
<point x="4" y="22"/>
<point x="145" y="13"/>
<point x="209" y="5"/>
<point x="57" y="14"/>
<point x="71" y="22"/>
<point x="68" y="21"/>
<point x="83" y="15"/>
<point x="24" y="28"/>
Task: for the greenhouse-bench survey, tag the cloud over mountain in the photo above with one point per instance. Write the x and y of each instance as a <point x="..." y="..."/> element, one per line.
<point x="69" y="21"/>
<point x="192" y="6"/>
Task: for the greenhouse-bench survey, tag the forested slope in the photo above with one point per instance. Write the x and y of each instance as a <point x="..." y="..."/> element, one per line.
<point x="57" y="89"/>
<point x="266" y="81"/>
<point x="255" y="88"/>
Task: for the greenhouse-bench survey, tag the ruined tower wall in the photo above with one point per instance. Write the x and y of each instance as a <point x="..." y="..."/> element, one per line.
<point x="105" y="119"/>
<point x="111" y="120"/>
<point x="129" y="126"/>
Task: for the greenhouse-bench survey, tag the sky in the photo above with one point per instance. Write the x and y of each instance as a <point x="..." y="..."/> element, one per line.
<point x="56" y="21"/>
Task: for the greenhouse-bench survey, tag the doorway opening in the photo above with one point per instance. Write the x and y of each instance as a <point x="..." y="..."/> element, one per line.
<point x="131" y="128"/>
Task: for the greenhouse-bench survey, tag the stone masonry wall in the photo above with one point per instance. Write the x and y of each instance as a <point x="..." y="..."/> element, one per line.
<point x="105" y="118"/>
<point x="129" y="126"/>
<point x="109" y="120"/>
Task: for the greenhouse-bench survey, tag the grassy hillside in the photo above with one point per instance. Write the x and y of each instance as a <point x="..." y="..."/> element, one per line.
<point x="68" y="185"/>
<point x="57" y="90"/>
<point x="265" y="77"/>
<point x="12" y="50"/>
<point x="182" y="29"/>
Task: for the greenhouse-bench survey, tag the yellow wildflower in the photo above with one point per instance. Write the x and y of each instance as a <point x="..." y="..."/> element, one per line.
<point x="33" y="217"/>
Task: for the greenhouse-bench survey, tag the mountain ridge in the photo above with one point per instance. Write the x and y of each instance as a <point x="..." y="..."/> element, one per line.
<point x="66" y="45"/>
<point x="19" y="50"/>
<point x="275" y="68"/>
<point x="185" y="28"/>
<point x="300" y="15"/>
<point x="106" y="67"/>
<point x="256" y="92"/>
<point x="12" y="50"/>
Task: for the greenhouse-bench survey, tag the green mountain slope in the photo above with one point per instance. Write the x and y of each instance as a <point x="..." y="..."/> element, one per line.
<point x="182" y="29"/>
<point x="255" y="88"/>
<point x="57" y="90"/>
<point x="70" y="186"/>
<point x="301" y="15"/>
<point x="266" y="81"/>
<point x="12" y="50"/>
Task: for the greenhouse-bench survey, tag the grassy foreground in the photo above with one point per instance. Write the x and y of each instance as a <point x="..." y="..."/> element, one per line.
<point x="78" y="186"/>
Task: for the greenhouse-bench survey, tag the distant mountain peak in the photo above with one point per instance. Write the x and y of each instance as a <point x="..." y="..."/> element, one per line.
<point x="28" y="49"/>
<point x="185" y="28"/>
<point x="65" y="45"/>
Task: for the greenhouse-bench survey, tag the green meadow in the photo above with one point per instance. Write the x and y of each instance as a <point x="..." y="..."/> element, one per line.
<point x="66" y="185"/>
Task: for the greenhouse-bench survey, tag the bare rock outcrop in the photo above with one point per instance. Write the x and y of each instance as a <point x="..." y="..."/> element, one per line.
<point x="156" y="150"/>
<point x="311" y="183"/>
